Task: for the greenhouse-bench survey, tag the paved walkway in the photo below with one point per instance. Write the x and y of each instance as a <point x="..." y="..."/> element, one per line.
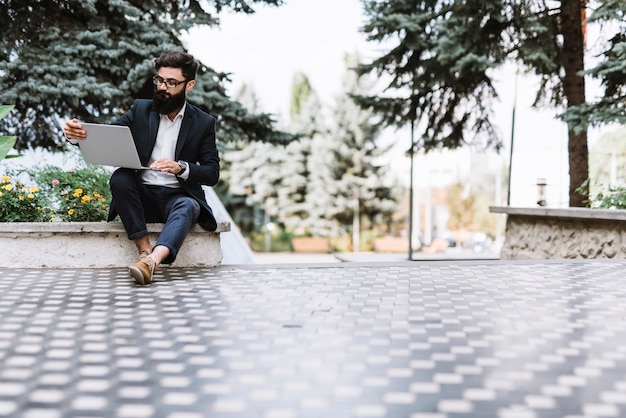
<point x="398" y="339"/>
<point x="365" y="257"/>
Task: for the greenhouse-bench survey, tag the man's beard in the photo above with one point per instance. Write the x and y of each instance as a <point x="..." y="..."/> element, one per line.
<point x="166" y="103"/>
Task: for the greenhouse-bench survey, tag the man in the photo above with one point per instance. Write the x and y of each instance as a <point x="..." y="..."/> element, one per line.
<point x="177" y="141"/>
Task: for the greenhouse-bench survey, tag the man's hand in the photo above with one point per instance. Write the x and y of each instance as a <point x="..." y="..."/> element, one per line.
<point x="74" y="130"/>
<point x="166" y="165"/>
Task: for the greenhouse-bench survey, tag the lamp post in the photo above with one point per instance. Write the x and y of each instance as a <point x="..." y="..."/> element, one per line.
<point x="412" y="157"/>
<point x="508" y="193"/>
<point x="541" y="190"/>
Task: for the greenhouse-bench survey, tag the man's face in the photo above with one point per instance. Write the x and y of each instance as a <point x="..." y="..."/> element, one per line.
<point x="170" y="99"/>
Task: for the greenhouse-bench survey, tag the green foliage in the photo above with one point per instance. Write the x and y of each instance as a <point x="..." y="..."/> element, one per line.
<point x="77" y="195"/>
<point x="279" y="242"/>
<point x="19" y="203"/>
<point x="90" y="59"/>
<point x="439" y="67"/>
<point x="441" y="58"/>
<point x="6" y="142"/>
<point x="614" y="198"/>
<point x="609" y="68"/>
<point x="79" y="205"/>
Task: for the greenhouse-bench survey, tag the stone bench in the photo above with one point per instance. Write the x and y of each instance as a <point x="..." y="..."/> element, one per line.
<point x="552" y="233"/>
<point x="96" y="245"/>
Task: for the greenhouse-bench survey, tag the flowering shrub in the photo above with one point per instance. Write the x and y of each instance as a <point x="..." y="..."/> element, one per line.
<point x="78" y="195"/>
<point x="78" y="205"/>
<point x="19" y="203"/>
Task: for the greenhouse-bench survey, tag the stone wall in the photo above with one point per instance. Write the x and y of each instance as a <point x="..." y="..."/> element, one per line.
<point x="542" y="233"/>
<point x="95" y="245"/>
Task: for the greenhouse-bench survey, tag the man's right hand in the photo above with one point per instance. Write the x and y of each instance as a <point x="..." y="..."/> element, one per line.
<point x="74" y="130"/>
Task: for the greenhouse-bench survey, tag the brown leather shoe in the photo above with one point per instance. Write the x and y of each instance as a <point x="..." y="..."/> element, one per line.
<point x="143" y="270"/>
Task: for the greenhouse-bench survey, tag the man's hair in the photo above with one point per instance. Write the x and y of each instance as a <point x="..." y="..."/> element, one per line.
<point x="186" y="62"/>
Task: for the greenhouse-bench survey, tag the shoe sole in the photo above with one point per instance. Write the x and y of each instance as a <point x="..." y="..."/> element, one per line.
<point x="138" y="275"/>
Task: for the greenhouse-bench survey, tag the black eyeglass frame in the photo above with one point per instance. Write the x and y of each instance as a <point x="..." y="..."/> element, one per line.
<point x="170" y="84"/>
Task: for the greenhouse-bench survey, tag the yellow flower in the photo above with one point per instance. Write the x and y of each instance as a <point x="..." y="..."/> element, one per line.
<point x="31" y="196"/>
<point x="33" y="189"/>
<point x="6" y="179"/>
<point x="77" y="192"/>
<point x="70" y="212"/>
<point x="21" y="197"/>
<point x="24" y="190"/>
<point x="8" y="187"/>
<point x="85" y="199"/>
<point x="97" y="195"/>
<point x="103" y="200"/>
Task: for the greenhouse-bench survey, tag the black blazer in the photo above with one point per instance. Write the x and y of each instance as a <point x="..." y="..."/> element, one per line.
<point x="195" y="145"/>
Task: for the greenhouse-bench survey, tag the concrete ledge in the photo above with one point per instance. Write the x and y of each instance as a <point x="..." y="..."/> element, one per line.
<point x="96" y="245"/>
<point x="542" y="233"/>
<point x="564" y="213"/>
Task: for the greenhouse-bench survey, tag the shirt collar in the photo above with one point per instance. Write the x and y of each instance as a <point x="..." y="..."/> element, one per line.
<point x="180" y="114"/>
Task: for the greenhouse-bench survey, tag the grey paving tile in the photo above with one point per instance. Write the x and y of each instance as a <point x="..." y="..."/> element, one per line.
<point x="415" y="340"/>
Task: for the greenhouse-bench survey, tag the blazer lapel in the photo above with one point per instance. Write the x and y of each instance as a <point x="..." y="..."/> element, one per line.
<point x="154" y="127"/>
<point x="185" y="129"/>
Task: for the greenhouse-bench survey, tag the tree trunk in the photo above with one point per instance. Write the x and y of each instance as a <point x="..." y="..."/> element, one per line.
<point x="574" y="90"/>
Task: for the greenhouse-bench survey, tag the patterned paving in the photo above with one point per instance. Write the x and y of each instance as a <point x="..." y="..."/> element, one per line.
<point x="416" y="340"/>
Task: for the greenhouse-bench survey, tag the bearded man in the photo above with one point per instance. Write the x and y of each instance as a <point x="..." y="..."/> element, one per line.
<point x="177" y="141"/>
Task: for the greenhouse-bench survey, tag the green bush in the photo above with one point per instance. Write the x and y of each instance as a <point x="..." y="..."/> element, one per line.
<point x="19" y="203"/>
<point x="613" y="198"/>
<point x="81" y="195"/>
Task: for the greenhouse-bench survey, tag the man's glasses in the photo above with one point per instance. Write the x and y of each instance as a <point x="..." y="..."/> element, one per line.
<point x="170" y="84"/>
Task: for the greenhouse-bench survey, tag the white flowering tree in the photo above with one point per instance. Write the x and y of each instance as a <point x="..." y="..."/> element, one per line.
<point x="361" y="193"/>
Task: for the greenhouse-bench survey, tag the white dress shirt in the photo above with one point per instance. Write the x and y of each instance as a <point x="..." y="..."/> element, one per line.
<point x="165" y="147"/>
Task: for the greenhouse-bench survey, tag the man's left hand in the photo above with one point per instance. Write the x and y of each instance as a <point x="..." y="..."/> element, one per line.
<point x="166" y="166"/>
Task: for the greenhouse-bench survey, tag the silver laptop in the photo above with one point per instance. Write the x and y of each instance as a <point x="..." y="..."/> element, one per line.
<point x="110" y="145"/>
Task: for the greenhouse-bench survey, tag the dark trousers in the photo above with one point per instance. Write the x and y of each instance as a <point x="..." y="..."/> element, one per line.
<point x="138" y="204"/>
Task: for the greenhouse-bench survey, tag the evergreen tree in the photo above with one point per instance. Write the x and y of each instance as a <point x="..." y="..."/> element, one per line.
<point x="90" y="59"/>
<point x="445" y="53"/>
<point x="298" y="196"/>
<point x="278" y="181"/>
<point x="359" y="187"/>
<point x="608" y="67"/>
<point x="252" y="174"/>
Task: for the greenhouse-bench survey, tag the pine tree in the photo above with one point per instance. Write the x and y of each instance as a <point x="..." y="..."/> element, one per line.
<point x="359" y="187"/>
<point x="86" y="59"/>
<point x="297" y="198"/>
<point x="445" y="54"/>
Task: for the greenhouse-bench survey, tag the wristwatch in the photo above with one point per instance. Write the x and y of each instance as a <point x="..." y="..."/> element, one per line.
<point x="183" y="167"/>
